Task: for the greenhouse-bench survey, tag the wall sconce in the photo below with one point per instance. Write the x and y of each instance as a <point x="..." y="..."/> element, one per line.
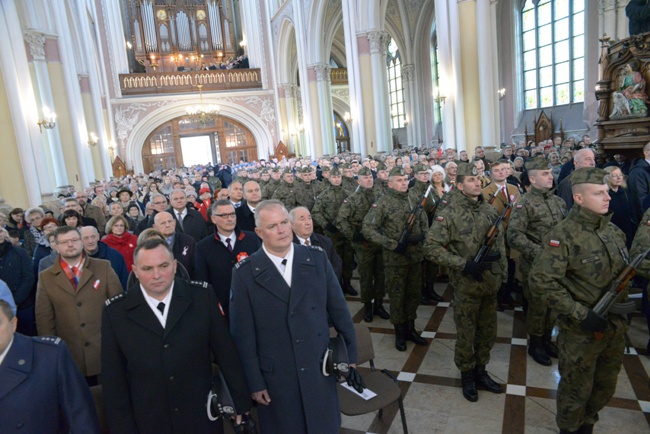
<point x="129" y="45"/>
<point x="439" y="99"/>
<point x="502" y="93"/>
<point x="347" y="117"/>
<point x="49" y="120"/>
<point x="92" y="139"/>
<point x="152" y="62"/>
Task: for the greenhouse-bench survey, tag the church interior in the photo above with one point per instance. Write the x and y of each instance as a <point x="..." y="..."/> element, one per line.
<point x="96" y="89"/>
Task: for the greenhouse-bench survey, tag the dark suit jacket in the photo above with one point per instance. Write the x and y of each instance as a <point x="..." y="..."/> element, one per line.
<point x="214" y="263"/>
<point x="42" y="391"/>
<point x="281" y="334"/>
<point x="245" y="217"/>
<point x="184" y="248"/>
<point x="326" y="244"/>
<point x="156" y="380"/>
<point x="193" y="224"/>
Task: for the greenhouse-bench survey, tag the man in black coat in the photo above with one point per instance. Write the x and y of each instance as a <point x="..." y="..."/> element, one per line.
<point x="98" y="250"/>
<point x="190" y="221"/>
<point x="157" y="347"/>
<point x="303" y="233"/>
<point x="282" y="298"/>
<point x="246" y="212"/>
<point x="639" y="181"/>
<point x="183" y="246"/>
<point x="158" y="204"/>
<point x="214" y="260"/>
<point x="17" y="271"/>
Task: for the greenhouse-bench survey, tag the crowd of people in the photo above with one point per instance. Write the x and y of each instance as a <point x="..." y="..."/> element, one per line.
<point x="141" y="275"/>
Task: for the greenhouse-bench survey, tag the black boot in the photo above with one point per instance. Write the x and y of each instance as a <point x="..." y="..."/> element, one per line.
<point x="537" y="352"/>
<point x="348" y="289"/>
<point x="550" y="348"/>
<point x="469" y="386"/>
<point x="431" y="294"/>
<point x="482" y="378"/>
<point x="586" y="429"/>
<point x="413" y="336"/>
<point x="380" y="311"/>
<point x="367" y="312"/>
<point x="400" y="340"/>
<point x="424" y="297"/>
<point x="563" y="431"/>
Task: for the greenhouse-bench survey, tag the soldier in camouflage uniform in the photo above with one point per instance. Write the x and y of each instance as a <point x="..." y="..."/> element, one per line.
<point x="380" y="186"/>
<point x="579" y="259"/>
<point x="349" y="183"/>
<point x="324" y="214"/>
<point x="286" y="191"/>
<point x="534" y="215"/>
<point x="384" y="225"/>
<point x="273" y="184"/>
<point x="264" y="178"/>
<point x="305" y="189"/>
<point x="416" y="193"/>
<point x="640" y="244"/>
<point x="453" y="241"/>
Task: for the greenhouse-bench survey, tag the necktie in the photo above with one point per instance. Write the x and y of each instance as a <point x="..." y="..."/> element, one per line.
<point x="284" y="264"/>
<point x="180" y="220"/>
<point x="307" y="242"/>
<point x="75" y="276"/>
<point x="505" y="193"/>
<point x="161" y="307"/>
<point x="228" y="244"/>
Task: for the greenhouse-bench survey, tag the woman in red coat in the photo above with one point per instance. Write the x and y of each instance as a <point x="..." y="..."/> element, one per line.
<point x="118" y="237"/>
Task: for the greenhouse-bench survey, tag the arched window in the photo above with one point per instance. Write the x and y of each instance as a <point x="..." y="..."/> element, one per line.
<point x="395" y="88"/>
<point x="553" y="43"/>
<point x="435" y="78"/>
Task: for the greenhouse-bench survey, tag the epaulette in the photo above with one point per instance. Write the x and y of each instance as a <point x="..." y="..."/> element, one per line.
<point x="200" y="283"/>
<point x="320" y="249"/>
<point x="114" y="298"/>
<point x="242" y="262"/>
<point x="52" y="340"/>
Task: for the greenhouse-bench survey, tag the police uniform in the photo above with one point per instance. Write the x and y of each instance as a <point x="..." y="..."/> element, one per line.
<point x="578" y="260"/>
<point x="383" y="225"/>
<point x="533" y="216"/>
<point x="453" y="241"/>
<point x="41" y="389"/>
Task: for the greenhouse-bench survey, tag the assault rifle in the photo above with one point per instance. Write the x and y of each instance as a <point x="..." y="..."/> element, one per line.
<point x="617" y="286"/>
<point x="491" y="236"/>
<point x="410" y="222"/>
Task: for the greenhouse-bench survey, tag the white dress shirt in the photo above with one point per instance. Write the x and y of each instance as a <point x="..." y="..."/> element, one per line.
<point x="153" y="304"/>
<point x="302" y="240"/>
<point x="4" y="353"/>
<point x="232" y="238"/>
<point x="284" y="270"/>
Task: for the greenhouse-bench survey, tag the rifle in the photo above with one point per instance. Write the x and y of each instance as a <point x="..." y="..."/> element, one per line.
<point x="412" y="218"/>
<point x="617" y="286"/>
<point x="491" y="236"/>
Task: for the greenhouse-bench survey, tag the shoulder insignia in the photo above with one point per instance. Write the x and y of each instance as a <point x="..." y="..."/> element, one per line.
<point x="440" y="218"/>
<point x="242" y="262"/>
<point x="312" y="247"/>
<point x="201" y="283"/>
<point x="53" y="340"/>
<point x="519" y="206"/>
<point x="374" y="205"/>
<point x="554" y="243"/>
<point x="113" y="299"/>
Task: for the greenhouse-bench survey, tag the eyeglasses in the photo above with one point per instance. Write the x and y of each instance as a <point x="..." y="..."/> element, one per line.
<point x="232" y="214"/>
<point x="159" y="203"/>
<point x="52" y="226"/>
<point x="70" y="241"/>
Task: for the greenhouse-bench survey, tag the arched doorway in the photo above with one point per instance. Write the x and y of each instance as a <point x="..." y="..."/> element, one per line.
<point x="230" y="142"/>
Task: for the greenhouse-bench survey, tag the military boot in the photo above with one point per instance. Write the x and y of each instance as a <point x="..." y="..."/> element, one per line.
<point x="348" y="289"/>
<point x="564" y="431"/>
<point x="482" y="378"/>
<point x="380" y="311"/>
<point x="550" y="348"/>
<point x="431" y="294"/>
<point x="367" y="312"/>
<point x="585" y="429"/>
<point x="400" y="339"/>
<point x="537" y="352"/>
<point x="413" y="336"/>
<point x="469" y="386"/>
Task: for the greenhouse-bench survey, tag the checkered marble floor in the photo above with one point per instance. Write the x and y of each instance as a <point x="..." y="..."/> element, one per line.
<point x="433" y="399"/>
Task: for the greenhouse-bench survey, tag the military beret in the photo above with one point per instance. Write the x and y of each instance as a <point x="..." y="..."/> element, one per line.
<point x="287" y="170"/>
<point x="337" y="172"/>
<point x="276" y="170"/>
<point x="306" y="169"/>
<point x="325" y="169"/>
<point x="381" y="166"/>
<point x="364" y="171"/>
<point x="466" y="169"/>
<point x="397" y="171"/>
<point x="539" y="163"/>
<point x="588" y="175"/>
<point x="344" y="166"/>
<point x="419" y="167"/>
<point x="253" y="170"/>
<point x="265" y="170"/>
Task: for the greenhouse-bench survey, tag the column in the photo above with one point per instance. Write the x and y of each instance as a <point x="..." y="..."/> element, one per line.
<point x="446" y="82"/>
<point x="456" y="85"/>
<point x="486" y="79"/>
<point x="622" y="24"/>
<point x="36" y="41"/>
<point x="252" y="32"/>
<point x="381" y="105"/>
<point x="409" y="101"/>
<point x="20" y="94"/>
<point x="320" y="109"/>
<point x="469" y="51"/>
<point x="609" y="18"/>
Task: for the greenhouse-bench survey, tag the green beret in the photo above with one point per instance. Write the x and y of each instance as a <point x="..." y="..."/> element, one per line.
<point x="344" y="166"/>
<point x="467" y="169"/>
<point x="287" y="170"/>
<point x="336" y="172"/>
<point x="265" y="170"/>
<point x="419" y="167"/>
<point x="539" y="163"/>
<point x="588" y="175"/>
<point x="253" y="170"/>
<point x="276" y="170"/>
<point x="306" y="169"/>
<point x="364" y="171"/>
<point x="325" y="169"/>
<point x="381" y="166"/>
<point x="397" y="171"/>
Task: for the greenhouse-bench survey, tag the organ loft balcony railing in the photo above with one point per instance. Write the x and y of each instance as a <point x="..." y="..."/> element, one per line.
<point x="186" y="81"/>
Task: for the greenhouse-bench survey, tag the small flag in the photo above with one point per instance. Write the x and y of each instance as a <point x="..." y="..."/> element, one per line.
<point x="440" y="218"/>
<point x="554" y="243"/>
<point x="96" y="284"/>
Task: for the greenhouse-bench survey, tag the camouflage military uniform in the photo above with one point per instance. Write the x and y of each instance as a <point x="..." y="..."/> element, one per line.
<point x="349" y="184"/>
<point x="383" y="225"/>
<point x="641" y="243"/>
<point x="534" y="215"/>
<point x="579" y="258"/>
<point x="370" y="264"/>
<point x="380" y="187"/>
<point x="286" y="193"/>
<point x="454" y="238"/>
<point x="305" y="194"/>
<point x="269" y="189"/>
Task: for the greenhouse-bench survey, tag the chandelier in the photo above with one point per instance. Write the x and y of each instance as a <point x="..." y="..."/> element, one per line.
<point x="202" y="113"/>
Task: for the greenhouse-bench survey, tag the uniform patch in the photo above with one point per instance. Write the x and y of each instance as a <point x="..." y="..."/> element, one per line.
<point x="374" y="205"/>
<point x="519" y="206"/>
<point x="647" y="223"/>
<point x="554" y="243"/>
<point x="440" y="218"/>
<point x="199" y="283"/>
<point x="241" y="256"/>
<point x="113" y="299"/>
<point x="47" y="339"/>
<point x="588" y="260"/>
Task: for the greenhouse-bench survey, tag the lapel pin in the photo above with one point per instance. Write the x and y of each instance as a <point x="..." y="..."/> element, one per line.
<point x="21" y="362"/>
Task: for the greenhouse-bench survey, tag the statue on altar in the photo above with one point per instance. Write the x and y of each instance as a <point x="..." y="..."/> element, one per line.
<point x="631" y="100"/>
